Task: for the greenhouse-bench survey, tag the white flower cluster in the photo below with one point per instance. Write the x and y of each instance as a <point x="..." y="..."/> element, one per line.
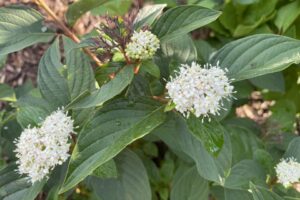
<point x="39" y="150"/>
<point x="199" y="90"/>
<point x="288" y="171"/>
<point x="143" y="45"/>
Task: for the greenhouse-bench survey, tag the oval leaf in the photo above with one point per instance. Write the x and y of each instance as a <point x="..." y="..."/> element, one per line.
<point x="7" y="93"/>
<point x="13" y="186"/>
<point x="188" y="184"/>
<point x="132" y="183"/>
<point x="147" y="15"/>
<point x="80" y="72"/>
<point x="52" y="84"/>
<point x="112" y="129"/>
<point x="211" y="134"/>
<point x="174" y="132"/>
<point x="183" y="19"/>
<point x="273" y="82"/>
<point x="260" y="193"/>
<point x="257" y="55"/>
<point x="108" y="90"/>
<point x="243" y="172"/>
<point x="182" y="49"/>
<point x="293" y="149"/>
<point x="78" y="8"/>
<point x="21" y="27"/>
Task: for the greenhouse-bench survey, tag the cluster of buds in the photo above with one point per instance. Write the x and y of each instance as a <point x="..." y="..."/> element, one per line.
<point x="143" y="45"/>
<point x="117" y="34"/>
<point x="40" y="149"/>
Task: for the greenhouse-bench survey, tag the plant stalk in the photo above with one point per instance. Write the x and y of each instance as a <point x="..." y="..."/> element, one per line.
<point x="66" y="30"/>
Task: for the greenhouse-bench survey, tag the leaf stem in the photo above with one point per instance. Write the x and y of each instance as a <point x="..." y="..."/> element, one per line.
<point x="66" y="30"/>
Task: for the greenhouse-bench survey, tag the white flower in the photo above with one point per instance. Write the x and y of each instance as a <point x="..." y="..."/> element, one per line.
<point x="143" y="45"/>
<point x="39" y="150"/>
<point x="288" y="171"/>
<point x="199" y="90"/>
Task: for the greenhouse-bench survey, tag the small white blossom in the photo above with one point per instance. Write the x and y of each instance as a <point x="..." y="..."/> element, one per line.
<point x="143" y="45"/>
<point x="39" y="150"/>
<point x="288" y="171"/>
<point x="199" y="90"/>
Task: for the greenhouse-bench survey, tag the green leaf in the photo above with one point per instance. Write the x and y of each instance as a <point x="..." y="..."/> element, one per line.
<point x="80" y="72"/>
<point x="147" y="15"/>
<point x="286" y="15"/>
<point x="273" y="82"/>
<point x="245" y="2"/>
<point x="188" y="184"/>
<point x="293" y="149"/>
<point x="102" y="73"/>
<point x="260" y="193"/>
<point x="174" y="132"/>
<point x="183" y="19"/>
<point x="9" y="128"/>
<point x="78" y="8"/>
<point x="24" y="89"/>
<point x="112" y="129"/>
<point x="237" y="194"/>
<point x="241" y="20"/>
<point x="7" y="93"/>
<point x="205" y="3"/>
<point x="13" y="186"/>
<point x="113" y="8"/>
<point x="107" y="170"/>
<point x="284" y="114"/>
<point x="244" y="142"/>
<point x="257" y="55"/>
<point x="151" y="68"/>
<point x="255" y="15"/>
<point x="108" y="90"/>
<point x="182" y="49"/>
<point x="52" y="84"/>
<point x="32" y="110"/>
<point x="21" y="27"/>
<point x="243" y="89"/>
<point x="243" y="173"/>
<point x="138" y="87"/>
<point x="210" y="133"/>
<point x="132" y="183"/>
<point x="265" y="159"/>
<point x="170" y="106"/>
<point x="204" y="50"/>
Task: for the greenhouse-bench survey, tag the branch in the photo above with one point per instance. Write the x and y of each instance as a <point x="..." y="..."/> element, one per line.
<point x="66" y="30"/>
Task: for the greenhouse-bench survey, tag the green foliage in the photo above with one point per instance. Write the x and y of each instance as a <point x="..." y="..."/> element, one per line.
<point x="113" y="7"/>
<point x="52" y="83"/>
<point x="77" y="9"/>
<point x="181" y="20"/>
<point x="7" y="93"/>
<point x="20" y="28"/>
<point x="147" y="15"/>
<point x="107" y="91"/>
<point x="189" y="185"/>
<point x="260" y="193"/>
<point x="119" y="124"/>
<point x="257" y="55"/>
<point x="202" y="130"/>
<point x="132" y="183"/>
<point x="131" y="143"/>
<point x="12" y="186"/>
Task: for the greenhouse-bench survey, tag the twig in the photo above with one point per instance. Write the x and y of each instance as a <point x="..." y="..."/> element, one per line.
<point x="161" y="99"/>
<point x="66" y="30"/>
